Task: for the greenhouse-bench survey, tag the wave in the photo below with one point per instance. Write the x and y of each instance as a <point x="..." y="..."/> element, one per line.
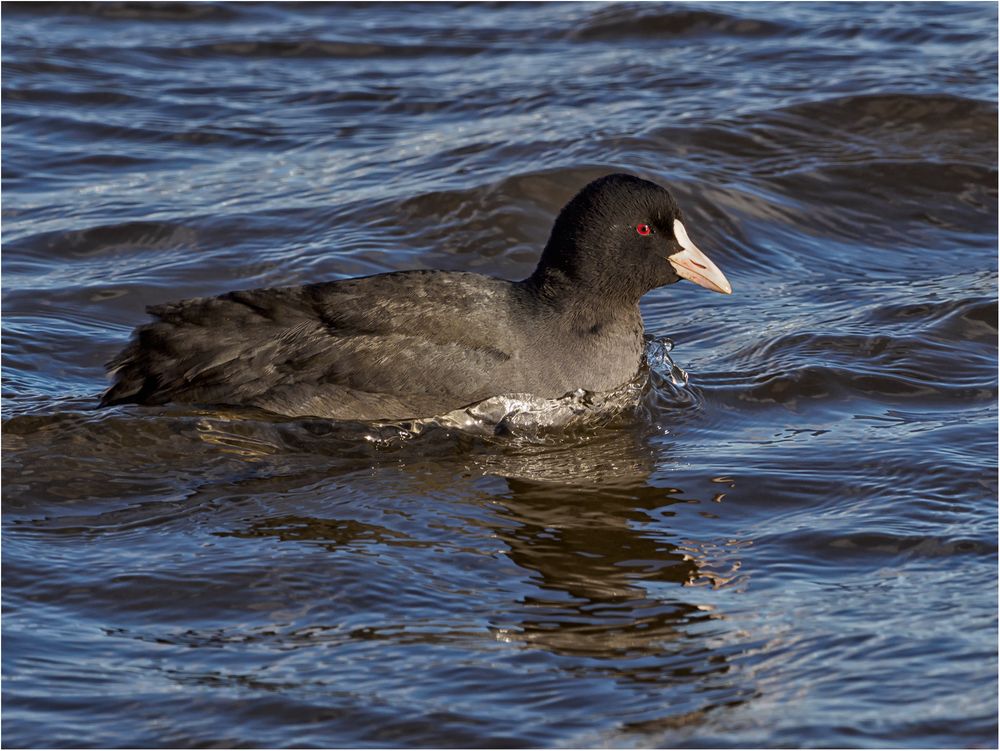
<point x="314" y="48"/>
<point x="971" y="319"/>
<point x="880" y="112"/>
<point x="622" y="22"/>
<point x="888" y="367"/>
<point x="107" y="238"/>
<point x="818" y="547"/>
<point x="131" y="11"/>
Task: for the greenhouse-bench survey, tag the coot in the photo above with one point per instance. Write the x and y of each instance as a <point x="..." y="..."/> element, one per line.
<point x="420" y="343"/>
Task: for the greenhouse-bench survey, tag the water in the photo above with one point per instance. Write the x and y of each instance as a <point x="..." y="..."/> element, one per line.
<point x="797" y="546"/>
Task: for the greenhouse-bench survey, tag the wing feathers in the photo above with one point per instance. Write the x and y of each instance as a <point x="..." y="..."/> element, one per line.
<point x="301" y="345"/>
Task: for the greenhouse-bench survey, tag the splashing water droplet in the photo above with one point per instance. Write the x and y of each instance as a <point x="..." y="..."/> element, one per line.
<point x="658" y="357"/>
<point x="678" y="376"/>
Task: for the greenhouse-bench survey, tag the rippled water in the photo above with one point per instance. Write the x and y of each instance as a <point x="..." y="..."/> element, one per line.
<point x="797" y="547"/>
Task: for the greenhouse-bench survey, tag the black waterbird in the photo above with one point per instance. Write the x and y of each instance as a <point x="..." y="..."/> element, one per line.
<point x="420" y="343"/>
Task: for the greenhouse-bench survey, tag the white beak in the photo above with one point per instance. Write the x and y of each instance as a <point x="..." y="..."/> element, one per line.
<point x="694" y="265"/>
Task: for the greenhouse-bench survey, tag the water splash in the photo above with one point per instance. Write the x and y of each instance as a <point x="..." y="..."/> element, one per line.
<point x="659" y="361"/>
<point x="523" y="417"/>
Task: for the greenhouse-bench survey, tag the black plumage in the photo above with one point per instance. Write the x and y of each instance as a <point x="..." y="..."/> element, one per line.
<point x="419" y="343"/>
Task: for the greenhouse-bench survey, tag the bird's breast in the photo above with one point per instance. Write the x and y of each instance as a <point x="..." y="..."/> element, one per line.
<point x="595" y="353"/>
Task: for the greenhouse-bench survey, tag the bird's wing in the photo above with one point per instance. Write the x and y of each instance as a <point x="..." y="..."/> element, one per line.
<point x="412" y="333"/>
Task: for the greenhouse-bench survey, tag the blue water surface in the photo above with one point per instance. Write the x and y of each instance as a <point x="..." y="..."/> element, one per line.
<point x="798" y="547"/>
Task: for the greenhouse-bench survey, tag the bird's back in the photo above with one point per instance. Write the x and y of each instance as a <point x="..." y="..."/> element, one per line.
<point x="382" y="347"/>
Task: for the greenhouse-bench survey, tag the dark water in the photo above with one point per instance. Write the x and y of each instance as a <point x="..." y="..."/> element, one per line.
<point x="799" y="547"/>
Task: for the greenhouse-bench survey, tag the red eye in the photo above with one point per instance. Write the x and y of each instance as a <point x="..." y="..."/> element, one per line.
<point x="643" y="229"/>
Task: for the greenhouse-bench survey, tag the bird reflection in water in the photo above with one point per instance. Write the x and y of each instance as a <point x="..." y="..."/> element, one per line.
<point x="603" y="574"/>
<point x="594" y="534"/>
